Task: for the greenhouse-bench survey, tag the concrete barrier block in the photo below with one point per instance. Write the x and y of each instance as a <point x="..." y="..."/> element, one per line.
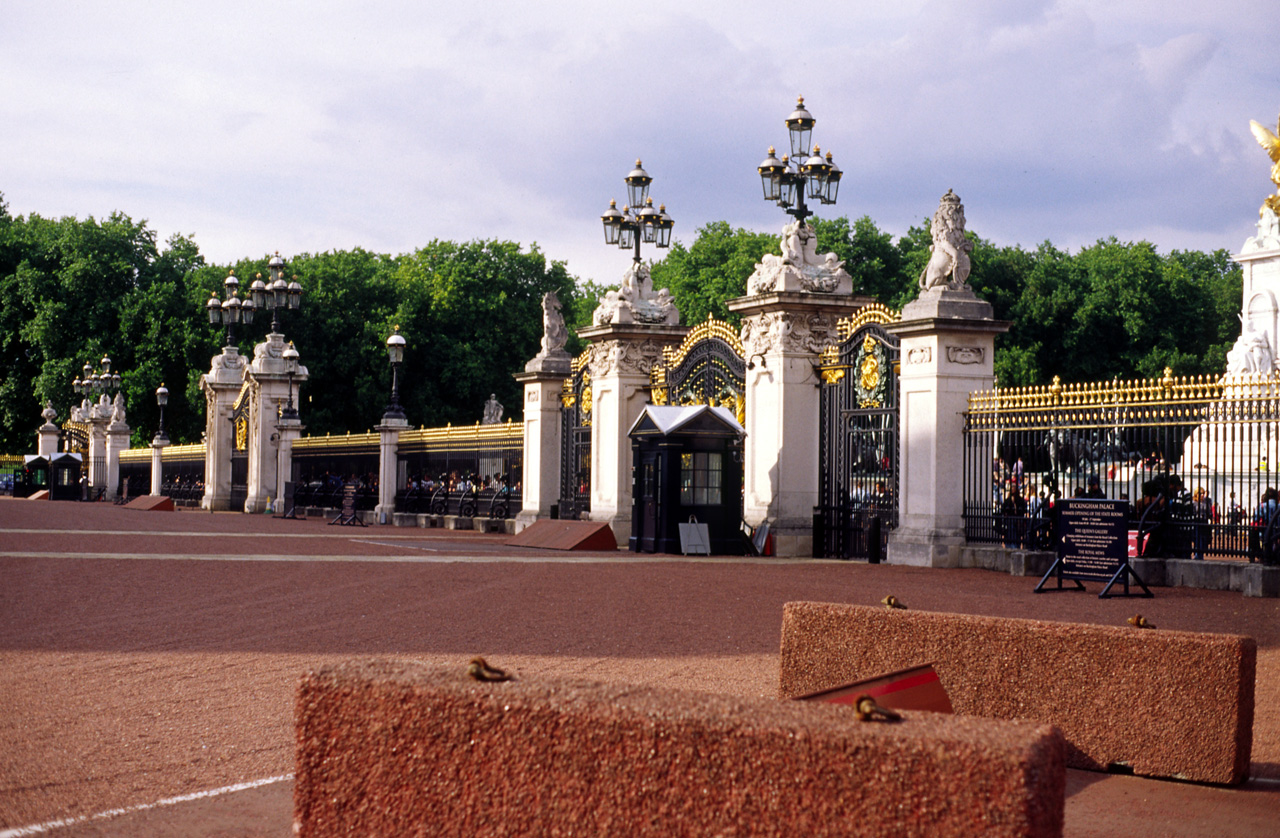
<point x="404" y="519"/>
<point x="1161" y="703"/>
<point x="458" y="522"/>
<point x="402" y="749"/>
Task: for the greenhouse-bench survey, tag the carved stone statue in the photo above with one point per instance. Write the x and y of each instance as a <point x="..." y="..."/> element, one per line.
<point x="800" y="268"/>
<point x="635" y="302"/>
<point x="554" y="333"/>
<point x="492" y="411"/>
<point x="948" y="265"/>
<point x="117" y="410"/>
<point x="1251" y="352"/>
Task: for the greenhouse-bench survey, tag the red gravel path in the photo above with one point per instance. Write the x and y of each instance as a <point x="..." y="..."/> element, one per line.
<point x="127" y="680"/>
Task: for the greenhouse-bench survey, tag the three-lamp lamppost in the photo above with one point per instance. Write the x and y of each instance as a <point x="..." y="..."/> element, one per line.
<point x="638" y="220"/>
<point x="800" y="174"/>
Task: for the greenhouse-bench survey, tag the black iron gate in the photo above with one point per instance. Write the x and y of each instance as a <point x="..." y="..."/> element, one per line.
<point x="240" y="451"/>
<point x="707" y="368"/>
<point x="575" y="440"/>
<point x="858" y="439"/>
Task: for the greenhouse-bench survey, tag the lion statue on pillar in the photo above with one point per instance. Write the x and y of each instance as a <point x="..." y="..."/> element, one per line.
<point x="949" y="264"/>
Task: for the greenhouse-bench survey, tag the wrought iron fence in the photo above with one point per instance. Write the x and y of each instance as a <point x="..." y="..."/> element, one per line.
<point x="1195" y="455"/>
<point x="474" y="470"/>
<point x="181" y="472"/>
<point x="10" y="472"/>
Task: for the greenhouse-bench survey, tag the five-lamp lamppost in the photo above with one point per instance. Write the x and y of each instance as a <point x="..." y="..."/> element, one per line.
<point x="230" y="311"/>
<point x="638" y="220"/>
<point x="800" y="174"/>
<point x="395" y="352"/>
<point x="95" y="383"/>
<point x="277" y="294"/>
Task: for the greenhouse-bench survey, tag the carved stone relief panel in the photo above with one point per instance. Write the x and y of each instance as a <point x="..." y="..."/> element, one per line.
<point x="920" y="355"/>
<point x="964" y="354"/>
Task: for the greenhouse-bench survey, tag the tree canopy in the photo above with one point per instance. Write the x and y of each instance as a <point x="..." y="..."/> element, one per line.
<point x="73" y="290"/>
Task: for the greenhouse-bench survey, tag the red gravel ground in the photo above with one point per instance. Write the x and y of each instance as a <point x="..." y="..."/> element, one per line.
<point x="147" y="655"/>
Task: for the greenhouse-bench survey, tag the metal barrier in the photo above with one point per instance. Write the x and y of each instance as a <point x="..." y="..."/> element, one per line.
<point x="1195" y="456"/>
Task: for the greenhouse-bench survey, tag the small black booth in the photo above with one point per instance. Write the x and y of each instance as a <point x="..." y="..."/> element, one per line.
<point x="60" y="474"/>
<point x="687" y="463"/>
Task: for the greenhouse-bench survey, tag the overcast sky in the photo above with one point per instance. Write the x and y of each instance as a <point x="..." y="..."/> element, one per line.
<point x="261" y="126"/>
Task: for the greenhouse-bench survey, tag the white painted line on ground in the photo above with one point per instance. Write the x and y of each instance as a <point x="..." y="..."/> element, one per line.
<point x="550" y="557"/>
<point x="328" y="534"/>
<point x="385" y="544"/>
<point x="36" y="829"/>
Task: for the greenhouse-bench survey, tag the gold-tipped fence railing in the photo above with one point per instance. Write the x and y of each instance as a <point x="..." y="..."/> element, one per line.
<point x="1200" y="451"/>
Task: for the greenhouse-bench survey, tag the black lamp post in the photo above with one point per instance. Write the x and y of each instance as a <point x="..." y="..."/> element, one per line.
<point x="290" y="356"/>
<point x="162" y="399"/>
<point x="799" y="174"/>
<point x="277" y="293"/>
<point x="95" y="383"/>
<point x="395" y="351"/>
<point x="625" y="228"/>
<point x="231" y="311"/>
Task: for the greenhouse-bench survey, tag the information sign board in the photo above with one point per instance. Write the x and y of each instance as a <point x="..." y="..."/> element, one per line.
<point x="1092" y="537"/>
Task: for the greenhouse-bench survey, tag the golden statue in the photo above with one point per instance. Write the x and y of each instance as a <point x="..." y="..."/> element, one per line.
<point x="1271" y="145"/>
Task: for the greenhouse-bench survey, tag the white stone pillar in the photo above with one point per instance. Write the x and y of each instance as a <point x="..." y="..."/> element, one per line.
<point x="388" y="466"/>
<point x="948" y="342"/>
<point x="289" y="430"/>
<point x="543" y="380"/>
<point x="47" y="434"/>
<point x="783" y="333"/>
<point x="221" y="385"/>
<point x="117" y="441"/>
<point x="270" y="391"/>
<point x="157" y="463"/>
<point x="97" y="451"/>
<point x="621" y="357"/>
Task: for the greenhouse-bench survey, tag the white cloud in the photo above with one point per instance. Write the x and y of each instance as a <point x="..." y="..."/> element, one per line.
<point x="335" y="124"/>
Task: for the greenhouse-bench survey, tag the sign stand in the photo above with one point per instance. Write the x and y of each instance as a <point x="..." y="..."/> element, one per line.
<point x="348" y="516"/>
<point x="1092" y="539"/>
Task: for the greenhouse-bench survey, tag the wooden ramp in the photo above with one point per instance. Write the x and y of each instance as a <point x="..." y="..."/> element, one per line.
<point x="566" y="535"/>
<point x="151" y="503"/>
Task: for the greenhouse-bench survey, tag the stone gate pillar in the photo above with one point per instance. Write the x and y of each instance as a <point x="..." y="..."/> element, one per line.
<point x="948" y="340"/>
<point x="543" y="378"/>
<point x="783" y="332"/>
<point x="99" y="417"/>
<point x="270" y="390"/>
<point x="221" y="385"/>
<point x="541" y="470"/>
<point x="117" y="441"/>
<point x="621" y="356"/>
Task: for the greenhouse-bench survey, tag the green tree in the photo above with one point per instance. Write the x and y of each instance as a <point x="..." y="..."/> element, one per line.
<point x="712" y="270"/>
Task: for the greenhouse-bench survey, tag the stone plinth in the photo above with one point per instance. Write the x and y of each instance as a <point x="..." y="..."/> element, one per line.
<point x="220" y="385"/>
<point x="403" y="749"/>
<point x="947" y="347"/>
<point x="289" y="430"/>
<point x="543" y="380"/>
<point x="1163" y="703"/>
<point x="783" y="333"/>
<point x="621" y="356"/>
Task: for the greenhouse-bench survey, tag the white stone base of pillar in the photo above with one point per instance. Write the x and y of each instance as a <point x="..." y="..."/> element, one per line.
<point x="925" y="548"/>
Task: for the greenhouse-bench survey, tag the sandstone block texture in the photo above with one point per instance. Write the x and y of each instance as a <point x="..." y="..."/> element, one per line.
<point x="404" y="749"/>
<point x="1161" y="703"/>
